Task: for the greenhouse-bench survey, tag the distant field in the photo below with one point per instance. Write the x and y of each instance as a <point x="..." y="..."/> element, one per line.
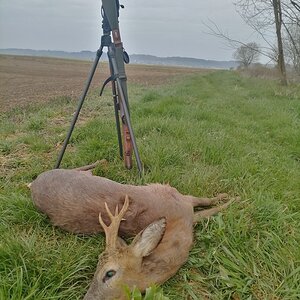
<point x="202" y="132"/>
<point x="26" y="79"/>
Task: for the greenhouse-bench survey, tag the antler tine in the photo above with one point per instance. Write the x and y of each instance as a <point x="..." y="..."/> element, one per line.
<point x="101" y="222"/>
<point x="111" y="216"/>
<point x="111" y="231"/>
<point x="124" y="208"/>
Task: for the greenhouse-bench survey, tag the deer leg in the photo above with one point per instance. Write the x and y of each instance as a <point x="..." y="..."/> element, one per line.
<point x="92" y="166"/>
<point x="205" y="202"/>
<point x="206" y="213"/>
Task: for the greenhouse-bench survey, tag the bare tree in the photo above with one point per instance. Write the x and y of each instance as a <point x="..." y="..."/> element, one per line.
<point x="278" y="24"/>
<point x="291" y="23"/>
<point x="263" y="16"/>
<point x="247" y="54"/>
<point x="273" y="21"/>
<point x="292" y="47"/>
<point x="291" y="11"/>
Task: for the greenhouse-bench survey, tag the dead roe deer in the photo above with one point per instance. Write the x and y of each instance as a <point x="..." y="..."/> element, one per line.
<point x="160" y="218"/>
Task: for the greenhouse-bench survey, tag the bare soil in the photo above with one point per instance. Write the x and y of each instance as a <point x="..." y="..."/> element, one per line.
<point x="25" y="80"/>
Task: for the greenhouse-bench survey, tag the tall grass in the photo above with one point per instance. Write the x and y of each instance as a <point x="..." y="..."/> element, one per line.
<point x="207" y="134"/>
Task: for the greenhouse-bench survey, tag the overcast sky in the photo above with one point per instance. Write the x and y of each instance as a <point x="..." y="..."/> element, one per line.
<point x="157" y="27"/>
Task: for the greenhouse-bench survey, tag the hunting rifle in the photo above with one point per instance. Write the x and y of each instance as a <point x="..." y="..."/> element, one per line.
<point x="116" y="57"/>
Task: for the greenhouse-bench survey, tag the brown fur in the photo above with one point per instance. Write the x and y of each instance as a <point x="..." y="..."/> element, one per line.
<point x="73" y="200"/>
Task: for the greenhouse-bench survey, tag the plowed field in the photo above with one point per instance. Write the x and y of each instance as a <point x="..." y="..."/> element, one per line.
<point x="25" y="79"/>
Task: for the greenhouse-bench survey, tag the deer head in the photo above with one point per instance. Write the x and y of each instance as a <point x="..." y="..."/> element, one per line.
<point x="121" y="264"/>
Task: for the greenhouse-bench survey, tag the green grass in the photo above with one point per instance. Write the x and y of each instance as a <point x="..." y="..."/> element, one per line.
<point x="207" y="134"/>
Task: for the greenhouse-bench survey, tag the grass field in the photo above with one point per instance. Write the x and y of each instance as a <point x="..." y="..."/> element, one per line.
<point x="206" y="134"/>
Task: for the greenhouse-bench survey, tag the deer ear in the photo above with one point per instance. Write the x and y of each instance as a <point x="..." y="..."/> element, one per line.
<point x="148" y="239"/>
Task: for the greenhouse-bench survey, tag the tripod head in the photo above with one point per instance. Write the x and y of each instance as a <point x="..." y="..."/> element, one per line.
<point x="110" y="12"/>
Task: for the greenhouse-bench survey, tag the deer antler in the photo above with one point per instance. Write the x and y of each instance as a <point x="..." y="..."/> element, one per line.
<point x="111" y="231"/>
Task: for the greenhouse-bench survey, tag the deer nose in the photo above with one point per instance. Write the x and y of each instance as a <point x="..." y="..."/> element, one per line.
<point x="93" y="293"/>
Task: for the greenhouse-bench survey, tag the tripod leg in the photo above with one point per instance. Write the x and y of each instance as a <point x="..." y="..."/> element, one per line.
<point x="116" y="108"/>
<point x="128" y="123"/>
<point x="129" y="139"/>
<point x="117" y="117"/>
<point x="81" y="100"/>
<point x="120" y="71"/>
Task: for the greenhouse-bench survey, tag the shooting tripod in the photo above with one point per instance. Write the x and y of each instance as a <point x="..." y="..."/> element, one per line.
<point x="116" y="57"/>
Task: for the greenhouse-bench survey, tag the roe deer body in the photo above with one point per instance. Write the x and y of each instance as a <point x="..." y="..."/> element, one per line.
<point x="158" y="215"/>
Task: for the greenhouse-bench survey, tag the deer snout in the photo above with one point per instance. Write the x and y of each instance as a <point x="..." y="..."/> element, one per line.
<point x="99" y="292"/>
<point x="93" y="293"/>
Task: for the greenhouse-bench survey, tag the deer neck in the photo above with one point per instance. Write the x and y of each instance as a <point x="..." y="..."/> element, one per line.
<point x="170" y="254"/>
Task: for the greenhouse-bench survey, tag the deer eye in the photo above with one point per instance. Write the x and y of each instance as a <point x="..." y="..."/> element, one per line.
<point x="109" y="274"/>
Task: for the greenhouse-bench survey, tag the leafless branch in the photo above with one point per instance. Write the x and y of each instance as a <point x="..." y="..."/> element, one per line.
<point x="216" y="31"/>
